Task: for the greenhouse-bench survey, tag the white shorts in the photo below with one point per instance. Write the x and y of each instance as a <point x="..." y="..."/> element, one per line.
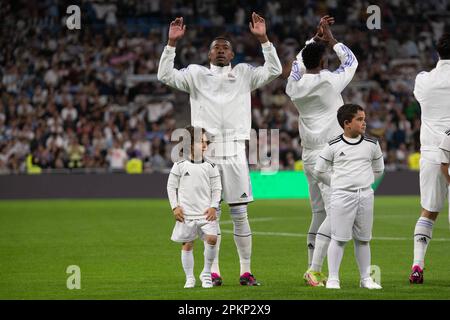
<point x="351" y="214"/>
<point x="433" y="187"/>
<point x="235" y="175"/>
<point x="319" y="193"/>
<point x="190" y="229"/>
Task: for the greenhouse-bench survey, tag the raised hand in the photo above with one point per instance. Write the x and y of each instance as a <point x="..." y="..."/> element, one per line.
<point x="324" y="31"/>
<point x="176" y="30"/>
<point x="258" y="27"/>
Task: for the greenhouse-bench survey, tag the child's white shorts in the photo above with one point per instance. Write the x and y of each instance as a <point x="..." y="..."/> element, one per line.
<point x="351" y="214"/>
<point x="190" y="229"/>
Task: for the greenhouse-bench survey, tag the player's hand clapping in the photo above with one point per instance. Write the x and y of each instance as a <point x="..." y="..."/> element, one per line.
<point x="211" y="214"/>
<point x="324" y="31"/>
<point x="178" y="214"/>
<point x="176" y="31"/>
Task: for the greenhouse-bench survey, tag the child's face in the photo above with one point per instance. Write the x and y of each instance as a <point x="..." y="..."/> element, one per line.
<point x="200" y="147"/>
<point x="358" y="124"/>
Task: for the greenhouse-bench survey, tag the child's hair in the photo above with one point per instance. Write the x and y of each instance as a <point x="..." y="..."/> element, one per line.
<point x="195" y="134"/>
<point x="347" y="112"/>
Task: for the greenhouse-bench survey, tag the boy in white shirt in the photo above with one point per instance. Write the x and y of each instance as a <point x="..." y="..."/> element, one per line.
<point x="194" y="189"/>
<point x="356" y="161"/>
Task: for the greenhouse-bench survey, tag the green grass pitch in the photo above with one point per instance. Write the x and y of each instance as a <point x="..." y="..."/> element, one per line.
<point x="124" y="252"/>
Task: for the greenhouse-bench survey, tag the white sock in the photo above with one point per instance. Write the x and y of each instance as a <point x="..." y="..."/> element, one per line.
<point x="422" y="237"/>
<point x="316" y="222"/>
<point x="215" y="265"/>
<point x="362" y="254"/>
<point x="335" y="254"/>
<point x="187" y="260"/>
<point x="210" y="253"/>
<point x="322" y="242"/>
<point x="242" y="236"/>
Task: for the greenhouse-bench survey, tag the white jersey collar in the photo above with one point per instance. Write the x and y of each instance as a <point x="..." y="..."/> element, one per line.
<point x="443" y="62"/>
<point x="220" y="70"/>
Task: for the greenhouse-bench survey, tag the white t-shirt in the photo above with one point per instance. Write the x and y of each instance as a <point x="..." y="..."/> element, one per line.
<point x="195" y="187"/>
<point x="117" y="158"/>
<point x="353" y="162"/>
<point x="432" y="91"/>
<point x="318" y="97"/>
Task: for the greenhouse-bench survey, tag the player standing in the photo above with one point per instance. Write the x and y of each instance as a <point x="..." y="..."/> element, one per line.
<point x="316" y="92"/>
<point x="356" y="161"/>
<point x="432" y="91"/>
<point x="194" y="190"/>
<point x="221" y="103"/>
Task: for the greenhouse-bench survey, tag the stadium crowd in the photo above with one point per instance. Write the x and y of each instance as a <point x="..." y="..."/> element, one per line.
<point x="89" y="98"/>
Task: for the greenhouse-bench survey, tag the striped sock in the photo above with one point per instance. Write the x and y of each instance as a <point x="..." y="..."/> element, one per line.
<point x="422" y="237"/>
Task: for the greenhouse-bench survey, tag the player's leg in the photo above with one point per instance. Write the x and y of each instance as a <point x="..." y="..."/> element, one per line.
<point x="362" y="233"/>
<point x="187" y="260"/>
<point x="208" y="232"/>
<point x="215" y="269"/>
<point x="342" y="213"/>
<point x="318" y="212"/>
<point x="237" y="192"/>
<point x="185" y="233"/>
<point x="314" y="275"/>
<point x="433" y="191"/>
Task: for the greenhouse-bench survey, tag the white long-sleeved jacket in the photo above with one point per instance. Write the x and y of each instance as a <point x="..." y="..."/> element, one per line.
<point x="432" y="91"/>
<point x="318" y="97"/>
<point x="220" y="96"/>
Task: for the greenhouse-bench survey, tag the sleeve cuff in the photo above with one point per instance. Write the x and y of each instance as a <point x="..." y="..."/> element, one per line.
<point x="309" y="41"/>
<point x="266" y="45"/>
<point x="170" y="48"/>
<point x="337" y="46"/>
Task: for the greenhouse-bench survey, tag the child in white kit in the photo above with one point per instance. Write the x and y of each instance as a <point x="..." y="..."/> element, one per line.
<point x="356" y="161"/>
<point x="194" y="189"/>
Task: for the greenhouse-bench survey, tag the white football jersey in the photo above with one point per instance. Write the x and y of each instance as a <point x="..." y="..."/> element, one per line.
<point x="318" y="97"/>
<point x="195" y="187"/>
<point x="444" y="148"/>
<point x="220" y="96"/>
<point x="432" y="91"/>
<point x="353" y="162"/>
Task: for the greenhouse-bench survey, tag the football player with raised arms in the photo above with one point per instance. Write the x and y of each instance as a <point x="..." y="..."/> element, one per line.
<point x="220" y="99"/>
<point x="316" y="92"/>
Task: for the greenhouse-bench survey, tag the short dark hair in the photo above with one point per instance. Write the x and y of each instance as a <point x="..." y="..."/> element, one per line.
<point x="193" y="132"/>
<point x="443" y="46"/>
<point x="223" y="38"/>
<point x="347" y="112"/>
<point x="312" y="54"/>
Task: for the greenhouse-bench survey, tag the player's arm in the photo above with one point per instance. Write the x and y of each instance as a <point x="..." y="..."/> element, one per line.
<point x="216" y="193"/>
<point x="419" y="85"/>
<point x="444" y="153"/>
<point x="377" y="162"/>
<point x="272" y="66"/>
<point x="173" y="183"/>
<point x="178" y="79"/>
<point x="324" y="165"/>
<point x="342" y="76"/>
